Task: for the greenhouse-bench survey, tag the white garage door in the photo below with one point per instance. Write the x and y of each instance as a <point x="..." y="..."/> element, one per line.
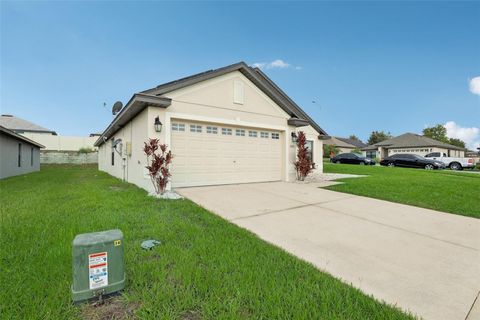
<point x="210" y="154"/>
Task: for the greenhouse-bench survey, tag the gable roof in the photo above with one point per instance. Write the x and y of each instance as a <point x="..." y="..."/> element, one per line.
<point x="356" y="143"/>
<point x="15" y="135"/>
<point x="257" y="76"/>
<point x="412" y="140"/>
<point x="344" y="142"/>
<point x="20" y="125"/>
<point x="338" y="143"/>
<point x="253" y="74"/>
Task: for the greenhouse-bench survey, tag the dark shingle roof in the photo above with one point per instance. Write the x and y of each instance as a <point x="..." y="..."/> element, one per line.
<point x="356" y="143"/>
<point x="407" y="140"/>
<point x="20" y="125"/>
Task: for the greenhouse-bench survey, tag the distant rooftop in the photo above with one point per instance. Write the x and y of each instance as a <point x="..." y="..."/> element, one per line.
<point x="19" y="125"/>
<point x="354" y="142"/>
<point x="408" y="140"/>
<point x="344" y="142"/>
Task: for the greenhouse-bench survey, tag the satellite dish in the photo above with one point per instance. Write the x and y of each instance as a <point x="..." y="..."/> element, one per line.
<point x="117" y="106"/>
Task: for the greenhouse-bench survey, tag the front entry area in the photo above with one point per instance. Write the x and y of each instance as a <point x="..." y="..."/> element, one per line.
<point x="215" y="154"/>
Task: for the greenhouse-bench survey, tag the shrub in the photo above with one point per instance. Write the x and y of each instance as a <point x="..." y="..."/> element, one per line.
<point x="303" y="165"/>
<point x="86" y="150"/>
<point x="159" y="160"/>
<point x="330" y="149"/>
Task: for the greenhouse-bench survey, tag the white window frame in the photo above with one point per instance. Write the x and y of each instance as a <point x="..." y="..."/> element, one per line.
<point x="264" y="135"/>
<point x="212" y="130"/>
<point x="196" y="128"/>
<point x="275" y="136"/>
<point x="240" y="132"/>
<point x="252" y="134"/>
<point x="226" y="131"/>
<point x="178" y="127"/>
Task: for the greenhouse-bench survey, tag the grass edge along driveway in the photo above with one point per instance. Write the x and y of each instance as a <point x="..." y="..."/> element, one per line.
<point x="442" y="190"/>
<point x="205" y="268"/>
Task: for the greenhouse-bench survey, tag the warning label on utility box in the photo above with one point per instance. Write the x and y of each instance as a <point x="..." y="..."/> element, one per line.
<point x="98" y="270"/>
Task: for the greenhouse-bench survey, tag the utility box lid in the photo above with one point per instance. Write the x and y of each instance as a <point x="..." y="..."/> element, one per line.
<point x="90" y="239"/>
<point x="97" y="264"/>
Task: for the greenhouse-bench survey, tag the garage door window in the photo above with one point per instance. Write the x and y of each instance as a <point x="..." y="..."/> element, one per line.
<point x="240" y="132"/>
<point x="275" y="136"/>
<point x="178" y="127"/>
<point x="263" y="134"/>
<point x="212" y="130"/>
<point x="252" y="134"/>
<point x="195" y="128"/>
<point x="226" y="131"/>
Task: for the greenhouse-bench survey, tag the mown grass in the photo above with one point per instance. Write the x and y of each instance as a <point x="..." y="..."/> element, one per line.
<point x="443" y="190"/>
<point x="205" y="268"/>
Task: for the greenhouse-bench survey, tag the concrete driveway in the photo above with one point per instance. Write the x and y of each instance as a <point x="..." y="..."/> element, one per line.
<point x="423" y="261"/>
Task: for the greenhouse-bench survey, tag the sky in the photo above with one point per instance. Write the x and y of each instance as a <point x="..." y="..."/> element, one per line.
<point x="354" y="67"/>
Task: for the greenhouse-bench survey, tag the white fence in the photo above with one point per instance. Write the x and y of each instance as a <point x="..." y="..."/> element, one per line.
<point x="68" y="157"/>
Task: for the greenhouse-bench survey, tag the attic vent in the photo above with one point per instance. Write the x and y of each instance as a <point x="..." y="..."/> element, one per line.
<point x="238" y="92"/>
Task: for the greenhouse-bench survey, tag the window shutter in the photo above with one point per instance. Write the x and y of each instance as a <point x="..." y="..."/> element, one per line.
<point x="238" y="92"/>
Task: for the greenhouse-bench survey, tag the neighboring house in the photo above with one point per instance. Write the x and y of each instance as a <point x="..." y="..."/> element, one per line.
<point x="224" y="126"/>
<point x="473" y="154"/>
<point x="46" y="137"/>
<point x="19" y="155"/>
<point x="344" y="145"/>
<point x="414" y="144"/>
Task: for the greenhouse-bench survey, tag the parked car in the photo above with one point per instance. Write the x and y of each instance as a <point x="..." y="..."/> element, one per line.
<point x="451" y="162"/>
<point x="352" y="158"/>
<point x="411" y="161"/>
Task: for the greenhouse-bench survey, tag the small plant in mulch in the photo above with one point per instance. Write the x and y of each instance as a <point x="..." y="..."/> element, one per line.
<point x="304" y="164"/>
<point x="159" y="160"/>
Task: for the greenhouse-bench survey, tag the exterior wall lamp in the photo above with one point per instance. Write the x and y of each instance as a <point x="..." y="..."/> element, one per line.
<point x="158" y="125"/>
<point x="294" y="137"/>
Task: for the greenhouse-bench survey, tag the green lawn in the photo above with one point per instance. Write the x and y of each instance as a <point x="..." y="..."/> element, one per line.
<point x="443" y="190"/>
<point x="206" y="268"/>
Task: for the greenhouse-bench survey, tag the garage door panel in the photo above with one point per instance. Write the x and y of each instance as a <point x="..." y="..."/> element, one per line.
<point x="202" y="158"/>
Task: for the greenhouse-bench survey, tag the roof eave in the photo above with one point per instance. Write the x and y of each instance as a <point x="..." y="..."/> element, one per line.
<point x="296" y="122"/>
<point x="20" y="137"/>
<point x="135" y="105"/>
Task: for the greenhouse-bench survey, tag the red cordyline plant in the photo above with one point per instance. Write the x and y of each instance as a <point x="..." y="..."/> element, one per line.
<point x="159" y="160"/>
<point x="304" y="164"/>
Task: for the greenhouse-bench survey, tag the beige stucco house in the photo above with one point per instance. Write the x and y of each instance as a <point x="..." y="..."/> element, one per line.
<point x="414" y="144"/>
<point x="225" y="126"/>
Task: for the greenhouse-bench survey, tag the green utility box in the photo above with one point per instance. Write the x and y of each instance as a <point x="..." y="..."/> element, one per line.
<point x="98" y="267"/>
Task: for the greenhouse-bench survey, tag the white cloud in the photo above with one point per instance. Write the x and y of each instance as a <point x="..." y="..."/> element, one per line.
<point x="278" y="64"/>
<point x="475" y="85"/>
<point x="471" y="136"/>
<point x="275" y="64"/>
<point x="260" y="65"/>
